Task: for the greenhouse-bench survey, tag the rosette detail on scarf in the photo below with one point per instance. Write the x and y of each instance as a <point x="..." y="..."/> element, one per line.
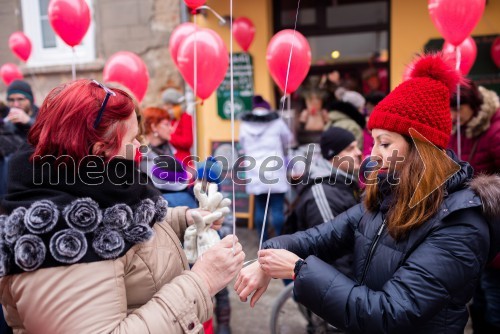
<point x="45" y="235"/>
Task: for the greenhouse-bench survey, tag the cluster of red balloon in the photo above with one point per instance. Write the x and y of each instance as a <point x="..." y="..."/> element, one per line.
<point x="20" y="45"/>
<point x="211" y="60"/>
<point x="455" y="20"/>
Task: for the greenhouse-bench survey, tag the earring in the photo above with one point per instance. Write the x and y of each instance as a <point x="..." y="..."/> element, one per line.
<point x="155" y="134"/>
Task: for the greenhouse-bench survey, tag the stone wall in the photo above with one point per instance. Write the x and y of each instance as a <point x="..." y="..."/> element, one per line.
<point x="140" y="26"/>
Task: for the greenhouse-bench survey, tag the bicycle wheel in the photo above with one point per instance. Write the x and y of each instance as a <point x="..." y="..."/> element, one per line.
<point x="286" y="318"/>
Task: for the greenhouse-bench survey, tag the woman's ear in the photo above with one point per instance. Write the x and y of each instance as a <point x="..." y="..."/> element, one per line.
<point x="99" y="150"/>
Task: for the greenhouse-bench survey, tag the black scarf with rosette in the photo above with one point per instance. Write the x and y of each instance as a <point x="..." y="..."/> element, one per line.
<point x="59" y="214"/>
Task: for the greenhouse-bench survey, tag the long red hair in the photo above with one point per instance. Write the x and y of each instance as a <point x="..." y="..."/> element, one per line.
<point x="65" y="123"/>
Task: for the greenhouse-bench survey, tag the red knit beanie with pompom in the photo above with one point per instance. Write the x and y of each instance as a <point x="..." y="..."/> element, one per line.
<point x="422" y="102"/>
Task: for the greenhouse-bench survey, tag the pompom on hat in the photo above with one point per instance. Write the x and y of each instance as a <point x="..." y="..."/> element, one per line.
<point x="422" y="102"/>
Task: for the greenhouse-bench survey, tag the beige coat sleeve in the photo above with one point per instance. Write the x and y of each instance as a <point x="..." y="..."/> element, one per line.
<point x="176" y="218"/>
<point x="146" y="291"/>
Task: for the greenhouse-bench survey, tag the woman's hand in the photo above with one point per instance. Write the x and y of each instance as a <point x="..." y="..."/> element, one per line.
<point x="250" y="279"/>
<point x="278" y="263"/>
<point x="219" y="265"/>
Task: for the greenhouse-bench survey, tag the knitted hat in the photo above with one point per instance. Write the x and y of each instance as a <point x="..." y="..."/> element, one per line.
<point x="172" y="96"/>
<point x="259" y="102"/>
<point x="422" y="102"/>
<point x="335" y="140"/>
<point x="20" y="87"/>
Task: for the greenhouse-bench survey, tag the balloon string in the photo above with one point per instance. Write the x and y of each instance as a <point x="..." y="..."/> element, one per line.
<point x="221" y="19"/>
<point x="233" y="153"/>
<point x="73" y="65"/>
<point x="459" y="136"/>
<point x="195" y="59"/>
<point x="195" y="88"/>
<point x="283" y="99"/>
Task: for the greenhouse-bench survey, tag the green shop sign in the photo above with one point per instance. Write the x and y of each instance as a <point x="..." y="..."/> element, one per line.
<point x="243" y="87"/>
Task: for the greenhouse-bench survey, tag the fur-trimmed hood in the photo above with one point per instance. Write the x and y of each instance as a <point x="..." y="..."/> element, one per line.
<point x="487" y="187"/>
<point x="482" y="121"/>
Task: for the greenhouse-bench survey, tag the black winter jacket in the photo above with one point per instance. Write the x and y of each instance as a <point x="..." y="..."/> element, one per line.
<point x="417" y="285"/>
<point x="323" y="198"/>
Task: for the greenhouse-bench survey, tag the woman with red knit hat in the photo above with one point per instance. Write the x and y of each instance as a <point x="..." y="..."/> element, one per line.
<point x="419" y="239"/>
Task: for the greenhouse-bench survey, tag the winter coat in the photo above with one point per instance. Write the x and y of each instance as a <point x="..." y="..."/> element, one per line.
<point x="148" y="290"/>
<point x="327" y="193"/>
<point x="420" y="284"/>
<point x="9" y="142"/>
<point x="482" y="134"/>
<point x="182" y="137"/>
<point x="344" y="115"/>
<point x="102" y="257"/>
<point x="263" y="137"/>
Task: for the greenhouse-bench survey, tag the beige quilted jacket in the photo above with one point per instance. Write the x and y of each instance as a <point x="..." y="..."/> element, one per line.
<point x="149" y="290"/>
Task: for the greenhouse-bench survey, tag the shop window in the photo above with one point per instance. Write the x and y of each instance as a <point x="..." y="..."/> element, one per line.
<point x="47" y="48"/>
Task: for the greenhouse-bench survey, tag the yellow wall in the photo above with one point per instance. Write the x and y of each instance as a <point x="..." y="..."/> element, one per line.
<point x="412" y="27"/>
<point x="210" y="125"/>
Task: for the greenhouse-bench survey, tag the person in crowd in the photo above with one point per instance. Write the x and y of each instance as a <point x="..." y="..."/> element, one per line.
<point x="9" y="143"/>
<point x="265" y="137"/>
<point x="182" y="124"/>
<point x="98" y="250"/>
<point x="372" y="99"/>
<point x="17" y="119"/>
<point x="332" y="186"/>
<point x="346" y="113"/>
<point x="419" y="240"/>
<point x="22" y="109"/>
<point x="480" y="128"/>
<point x="314" y="117"/>
<point x="480" y="146"/>
<point x="159" y="161"/>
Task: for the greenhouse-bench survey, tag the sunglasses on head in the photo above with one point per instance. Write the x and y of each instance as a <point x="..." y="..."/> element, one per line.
<point x="109" y="93"/>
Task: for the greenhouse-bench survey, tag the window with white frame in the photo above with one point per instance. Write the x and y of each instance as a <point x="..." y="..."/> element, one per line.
<point x="47" y="48"/>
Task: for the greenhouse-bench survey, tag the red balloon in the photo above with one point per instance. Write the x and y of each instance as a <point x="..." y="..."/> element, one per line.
<point x="495" y="51"/>
<point x="243" y="32"/>
<point x="128" y="69"/>
<point x="278" y="54"/>
<point x="70" y="19"/>
<point x="20" y="45"/>
<point x="193" y="4"/>
<point x="178" y="35"/>
<point x="468" y="53"/>
<point x="455" y="19"/>
<point x="212" y="61"/>
<point x="10" y="72"/>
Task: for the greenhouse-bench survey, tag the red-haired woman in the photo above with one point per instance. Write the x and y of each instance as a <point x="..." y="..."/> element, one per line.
<point x="159" y="162"/>
<point x="419" y="240"/>
<point x="86" y="245"/>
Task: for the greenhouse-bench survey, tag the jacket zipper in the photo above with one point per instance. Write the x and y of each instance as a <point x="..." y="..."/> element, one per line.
<point x="372" y="250"/>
